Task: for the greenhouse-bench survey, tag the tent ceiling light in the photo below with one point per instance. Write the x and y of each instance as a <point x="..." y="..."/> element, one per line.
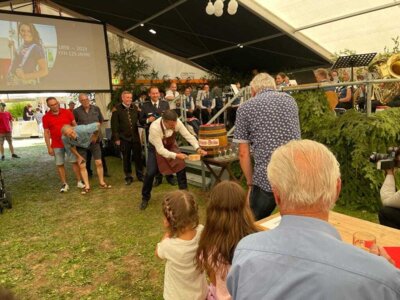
<point x="217" y="9"/>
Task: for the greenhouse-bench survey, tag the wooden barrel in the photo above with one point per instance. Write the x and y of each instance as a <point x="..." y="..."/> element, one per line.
<point x="212" y="138"/>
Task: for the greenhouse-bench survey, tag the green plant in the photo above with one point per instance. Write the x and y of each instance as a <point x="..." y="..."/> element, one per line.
<point x="128" y="66"/>
<point x="16" y="109"/>
<point x="352" y="137"/>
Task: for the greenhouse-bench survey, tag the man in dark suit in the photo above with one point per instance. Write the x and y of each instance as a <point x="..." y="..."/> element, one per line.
<point x="125" y="133"/>
<point x="151" y="111"/>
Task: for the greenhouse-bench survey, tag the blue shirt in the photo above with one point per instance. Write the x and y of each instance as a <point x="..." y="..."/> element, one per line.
<point x="83" y="136"/>
<point x="267" y="121"/>
<point x="304" y="258"/>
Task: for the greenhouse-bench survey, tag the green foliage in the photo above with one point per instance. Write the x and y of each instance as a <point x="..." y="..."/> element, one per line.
<point x="16" y="109"/>
<point x="352" y="137"/>
<point x="128" y="66"/>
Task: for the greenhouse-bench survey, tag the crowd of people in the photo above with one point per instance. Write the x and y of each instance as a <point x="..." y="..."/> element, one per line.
<point x="229" y="257"/>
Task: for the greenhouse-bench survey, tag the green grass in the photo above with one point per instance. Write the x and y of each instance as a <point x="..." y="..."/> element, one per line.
<point x="70" y="246"/>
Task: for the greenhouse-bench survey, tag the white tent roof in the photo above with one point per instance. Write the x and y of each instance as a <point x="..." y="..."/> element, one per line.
<point x="336" y="25"/>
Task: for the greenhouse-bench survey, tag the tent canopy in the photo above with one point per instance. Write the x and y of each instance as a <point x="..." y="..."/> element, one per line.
<point x="185" y="30"/>
<point x="276" y="35"/>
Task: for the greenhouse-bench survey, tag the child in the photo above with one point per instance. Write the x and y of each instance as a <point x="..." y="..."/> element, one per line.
<point x="228" y="220"/>
<point x="182" y="280"/>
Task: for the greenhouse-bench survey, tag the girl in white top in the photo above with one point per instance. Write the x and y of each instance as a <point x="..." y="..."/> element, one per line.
<point x="228" y="220"/>
<point x="182" y="280"/>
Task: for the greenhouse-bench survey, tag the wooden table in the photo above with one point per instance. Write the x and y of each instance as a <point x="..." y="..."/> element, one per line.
<point x="225" y="163"/>
<point x="346" y="225"/>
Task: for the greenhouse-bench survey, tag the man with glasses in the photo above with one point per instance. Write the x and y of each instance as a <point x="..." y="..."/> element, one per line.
<point x="53" y="121"/>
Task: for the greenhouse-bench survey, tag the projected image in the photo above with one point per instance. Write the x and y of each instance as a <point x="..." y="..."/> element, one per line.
<point x="42" y="54"/>
<point x="32" y="50"/>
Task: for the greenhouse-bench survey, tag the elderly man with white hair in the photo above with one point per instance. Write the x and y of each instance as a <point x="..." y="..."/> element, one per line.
<point x="304" y="257"/>
<point x="263" y="123"/>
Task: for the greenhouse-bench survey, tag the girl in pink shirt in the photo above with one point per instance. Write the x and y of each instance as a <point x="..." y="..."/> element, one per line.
<point x="228" y="220"/>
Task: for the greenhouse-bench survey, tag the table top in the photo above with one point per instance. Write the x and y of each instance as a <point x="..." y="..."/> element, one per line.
<point x="347" y="226"/>
<point x="221" y="160"/>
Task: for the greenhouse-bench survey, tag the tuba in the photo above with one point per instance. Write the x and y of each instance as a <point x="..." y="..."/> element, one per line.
<point x="388" y="69"/>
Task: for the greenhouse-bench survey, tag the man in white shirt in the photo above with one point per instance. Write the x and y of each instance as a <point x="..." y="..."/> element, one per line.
<point x="172" y="95"/>
<point x="163" y="154"/>
<point x="206" y="104"/>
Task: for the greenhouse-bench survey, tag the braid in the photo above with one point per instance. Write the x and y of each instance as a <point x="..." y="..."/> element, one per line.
<point x="180" y="209"/>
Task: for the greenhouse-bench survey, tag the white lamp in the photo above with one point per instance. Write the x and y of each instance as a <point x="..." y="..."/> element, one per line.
<point x="219" y="5"/>
<point x="219" y="12"/>
<point x="217" y="8"/>
<point x="210" y="9"/>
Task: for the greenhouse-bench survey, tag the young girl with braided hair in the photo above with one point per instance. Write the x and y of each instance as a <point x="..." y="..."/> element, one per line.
<point x="228" y="220"/>
<point x="182" y="280"/>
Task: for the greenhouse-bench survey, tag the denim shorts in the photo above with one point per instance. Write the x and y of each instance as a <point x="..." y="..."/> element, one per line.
<point x="59" y="156"/>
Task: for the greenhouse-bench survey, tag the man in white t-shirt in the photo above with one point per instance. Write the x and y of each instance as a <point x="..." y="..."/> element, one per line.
<point x="172" y="96"/>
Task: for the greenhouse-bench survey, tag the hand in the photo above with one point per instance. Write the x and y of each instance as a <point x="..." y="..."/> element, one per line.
<point x="50" y="151"/>
<point x="380" y="251"/>
<point x="181" y="156"/>
<point x="201" y="152"/>
<point x="20" y="73"/>
<point x="118" y="142"/>
<point x="151" y="119"/>
<point x="390" y="172"/>
<point x="81" y="160"/>
<point x="209" y="110"/>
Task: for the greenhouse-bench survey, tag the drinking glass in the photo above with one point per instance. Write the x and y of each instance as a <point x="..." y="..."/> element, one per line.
<point x="225" y="150"/>
<point x="364" y="240"/>
<point x="219" y="152"/>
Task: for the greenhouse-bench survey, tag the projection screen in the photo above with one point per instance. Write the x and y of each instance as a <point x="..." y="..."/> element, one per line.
<point x="46" y="54"/>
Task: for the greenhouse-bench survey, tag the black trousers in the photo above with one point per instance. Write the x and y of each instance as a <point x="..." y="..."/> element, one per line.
<point x="89" y="160"/>
<point x="152" y="171"/>
<point x="262" y="203"/>
<point x="205" y="116"/>
<point x="390" y="216"/>
<point x="132" y="150"/>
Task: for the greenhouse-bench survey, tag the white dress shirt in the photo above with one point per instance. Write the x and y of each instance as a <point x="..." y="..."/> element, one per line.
<point x="156" y="137"/>
<point x="200" y="96"/>
<point x="389" y="196"/>
<point x="170" y="96"/>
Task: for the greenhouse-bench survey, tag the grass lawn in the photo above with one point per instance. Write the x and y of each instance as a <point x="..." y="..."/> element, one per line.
<point x="70" y="246"/>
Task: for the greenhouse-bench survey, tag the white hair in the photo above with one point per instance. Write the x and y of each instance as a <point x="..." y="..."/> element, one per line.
<point x="65" y="128"/>
<point x="304" y="174"/>
<point x="262" y="81"/>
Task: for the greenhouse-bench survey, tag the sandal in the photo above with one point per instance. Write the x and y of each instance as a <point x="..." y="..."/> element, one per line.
<point x="105" y="186"/>
<point x="85" y="191"/>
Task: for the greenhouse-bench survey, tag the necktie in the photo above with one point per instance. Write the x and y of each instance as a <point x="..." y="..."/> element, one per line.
<point x="155" y="105"/>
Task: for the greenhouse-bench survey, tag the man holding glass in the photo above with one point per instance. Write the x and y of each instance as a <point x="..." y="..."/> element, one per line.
<point x="304" y="257"/>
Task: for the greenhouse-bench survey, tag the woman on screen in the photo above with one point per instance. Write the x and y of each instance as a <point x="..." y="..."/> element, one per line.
<point x="29" y="62"/>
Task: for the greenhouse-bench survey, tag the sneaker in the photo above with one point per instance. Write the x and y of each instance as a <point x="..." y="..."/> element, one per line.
<point x="15" y="156"/>
<point x="80" y="185"/>
<point x="64" y="188"/>
<point x="2" y="157"/>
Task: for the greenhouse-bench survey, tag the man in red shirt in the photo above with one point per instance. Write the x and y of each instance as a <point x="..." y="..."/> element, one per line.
<point x="53" y="121"/>
<point x="6" y="131"/>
